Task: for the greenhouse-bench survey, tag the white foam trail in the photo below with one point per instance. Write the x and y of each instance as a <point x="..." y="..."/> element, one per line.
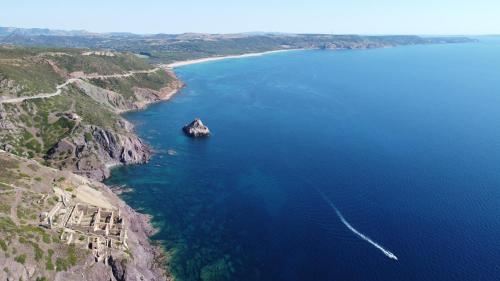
<point x="386" y="252"/>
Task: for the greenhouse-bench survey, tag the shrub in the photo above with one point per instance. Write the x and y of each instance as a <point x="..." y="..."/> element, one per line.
<point x="72" y="257"/>
<point x="46" y="238"/>
<point x="48" y="264"/>
<point x="38" y="252"/>
<point x="3" y="245"/>
<point x="61" y="264"/>
<point x="21" y="259"/>
<point x="88" y="137"/>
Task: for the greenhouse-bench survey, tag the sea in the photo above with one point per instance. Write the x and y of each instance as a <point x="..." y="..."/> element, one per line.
<point x="379" y="164"/>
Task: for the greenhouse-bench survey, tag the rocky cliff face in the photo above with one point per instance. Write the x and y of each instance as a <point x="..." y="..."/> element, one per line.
<point x="96" y="150"/>
<point x="107" y="98"/>
<point x="5" y="123"/>
<point x="81" y="129"/>
<point x="146" y="96"/>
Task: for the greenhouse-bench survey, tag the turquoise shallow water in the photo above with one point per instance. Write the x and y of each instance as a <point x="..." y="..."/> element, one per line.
<point x="405" y="142"/>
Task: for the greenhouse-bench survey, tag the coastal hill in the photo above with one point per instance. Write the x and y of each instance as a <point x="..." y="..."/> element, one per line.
<point x="61" y="106"/>
<point x="46" y="228"/>
<point x="60" y="130"/>
<point x="167" y="48"/>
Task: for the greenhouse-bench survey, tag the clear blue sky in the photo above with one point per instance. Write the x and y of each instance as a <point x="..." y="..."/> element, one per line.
<point x="225" y="16"/>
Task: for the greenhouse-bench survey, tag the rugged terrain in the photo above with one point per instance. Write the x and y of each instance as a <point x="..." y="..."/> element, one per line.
<point x="31" y="252"/>
<point x="61" y="107"/>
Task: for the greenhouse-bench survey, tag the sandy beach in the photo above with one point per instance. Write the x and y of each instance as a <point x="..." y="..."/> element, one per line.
<point x="195" y="61"/>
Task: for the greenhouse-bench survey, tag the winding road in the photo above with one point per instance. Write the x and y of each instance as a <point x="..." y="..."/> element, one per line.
<point x="72" y="80"/>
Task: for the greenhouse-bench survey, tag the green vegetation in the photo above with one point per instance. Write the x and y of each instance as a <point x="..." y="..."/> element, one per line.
<point x="37" y="252"/>
<point x="48" y="262"/>
<point x="7" y="225"/>
<point x="33" y="75"/>
<point x="35" y="71"/>
<point x="21" y="259"/>
<point x="124" y="86"/>
<point x="5" y="201"/>
<point x="98" y="116"/>
<point x="88" y="137"/>
<point x="62" y="264"/>
<point x="3" y="245"/>
<point x="46" y="238"/>
<point x="118" y="63"/>
<point x="167" y="48"/>
<point x="72" y="257"/>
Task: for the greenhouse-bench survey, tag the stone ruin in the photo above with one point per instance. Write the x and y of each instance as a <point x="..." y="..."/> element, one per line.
<point x="97" y="229"/>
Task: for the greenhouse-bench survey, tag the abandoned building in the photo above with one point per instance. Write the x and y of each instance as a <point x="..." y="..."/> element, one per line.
<point x="97" y="229"/>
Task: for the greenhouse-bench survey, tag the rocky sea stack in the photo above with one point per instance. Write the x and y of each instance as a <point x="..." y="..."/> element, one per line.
<point x="196" y="129"/>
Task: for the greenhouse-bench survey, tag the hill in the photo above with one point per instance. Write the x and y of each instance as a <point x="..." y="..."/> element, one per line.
<point x="167" y="48"/>
<point x="79" y="127"/>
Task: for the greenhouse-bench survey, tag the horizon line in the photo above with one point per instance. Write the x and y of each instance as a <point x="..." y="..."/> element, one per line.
<point x="250" y="32"/>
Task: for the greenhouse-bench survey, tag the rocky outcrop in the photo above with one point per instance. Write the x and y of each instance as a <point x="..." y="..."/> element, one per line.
<point x="96" y="150"/>
<point x="5" y="123"/>
<point x="196" y="129"/>
<point x="119" y="268"/>
<point x="145" y="96"/>
<point x="142" y="97"/>
<point x="9" y="88"/>
<point x="110" y="99"/>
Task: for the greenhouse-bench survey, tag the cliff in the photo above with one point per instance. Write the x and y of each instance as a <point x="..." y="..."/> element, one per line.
<point x="77" y="127"/>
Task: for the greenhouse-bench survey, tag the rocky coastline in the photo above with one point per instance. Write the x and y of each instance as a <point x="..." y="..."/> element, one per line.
<point x="153" y="264"/>
<point x="99" y="149"/>
<point x="97" y="138"/>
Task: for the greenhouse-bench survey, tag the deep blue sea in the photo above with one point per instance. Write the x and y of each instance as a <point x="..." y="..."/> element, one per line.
<point x="404" y="142"/>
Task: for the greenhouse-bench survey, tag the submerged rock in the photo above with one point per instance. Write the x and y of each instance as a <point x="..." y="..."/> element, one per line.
<point x="196" y="129"/>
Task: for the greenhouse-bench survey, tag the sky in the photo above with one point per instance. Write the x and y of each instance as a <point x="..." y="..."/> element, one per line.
<point x="424" y="17"/>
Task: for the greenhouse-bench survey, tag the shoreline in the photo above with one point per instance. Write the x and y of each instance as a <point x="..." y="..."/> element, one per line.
<point x="159" y="253"/>
<point x="210" y="59"/>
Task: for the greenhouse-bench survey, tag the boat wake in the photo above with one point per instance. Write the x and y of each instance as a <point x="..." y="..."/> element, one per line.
<point x="386" y="252"/>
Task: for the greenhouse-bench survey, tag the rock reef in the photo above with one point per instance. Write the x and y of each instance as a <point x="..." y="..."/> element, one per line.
<point x="196" y="129"/>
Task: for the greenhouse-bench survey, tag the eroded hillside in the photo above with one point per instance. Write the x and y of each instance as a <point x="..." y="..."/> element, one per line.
<point x="61" y="107"/>
<point x="55" y="225"/>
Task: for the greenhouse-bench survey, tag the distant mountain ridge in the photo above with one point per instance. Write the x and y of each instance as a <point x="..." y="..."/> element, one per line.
<point x="6" y="31"/>
<point x="167" y="48"/>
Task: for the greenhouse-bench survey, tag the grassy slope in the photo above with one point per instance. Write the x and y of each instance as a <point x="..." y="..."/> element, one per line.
<point x="42" y="123"/>
<point x="21" y="239"/>
<point x="125" y="86"/>
<point x="32" y="68"/>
